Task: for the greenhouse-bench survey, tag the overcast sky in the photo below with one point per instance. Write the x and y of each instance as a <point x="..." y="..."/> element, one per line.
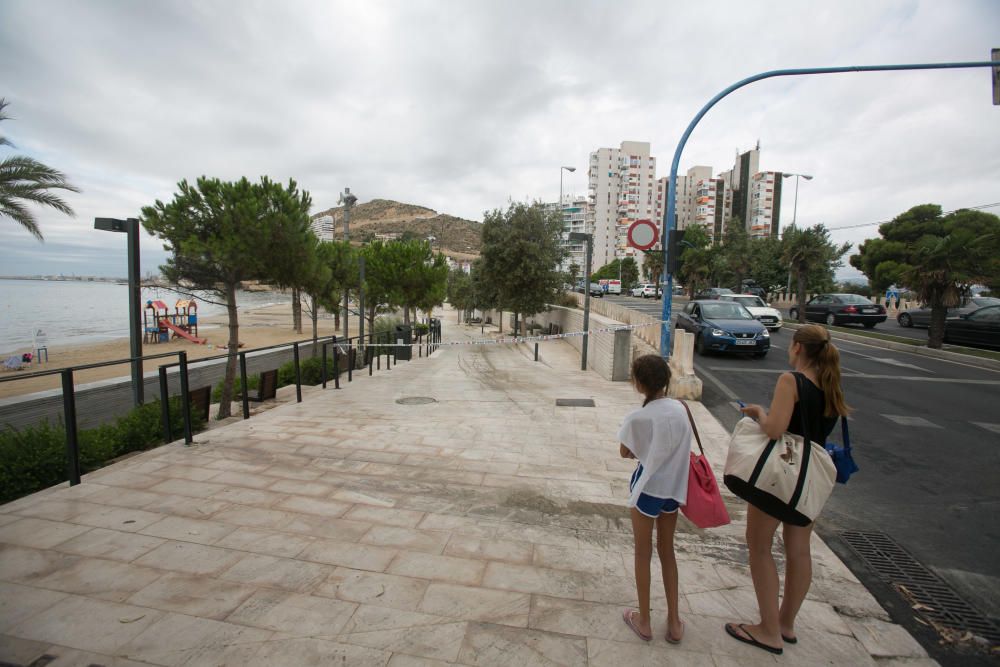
<point x="461" y="106"/>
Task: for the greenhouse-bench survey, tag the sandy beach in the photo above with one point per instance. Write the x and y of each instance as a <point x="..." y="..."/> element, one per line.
<point x="258" y="328"/>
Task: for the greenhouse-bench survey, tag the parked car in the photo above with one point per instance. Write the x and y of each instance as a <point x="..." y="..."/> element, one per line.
<point x="769" y="317"/>
<point x="712" y="292"/>
<point x="724" y="326"/>
<point x="842" y="309"/>
<point x="921" y="317"/>
<point x="980" y="328"/>
<point x="596" y="289"/>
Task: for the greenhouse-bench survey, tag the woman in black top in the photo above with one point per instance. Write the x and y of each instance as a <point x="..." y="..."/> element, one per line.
<point x="816" y="392"/>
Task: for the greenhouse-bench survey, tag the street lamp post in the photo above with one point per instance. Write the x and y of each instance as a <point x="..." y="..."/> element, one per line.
<point x="559" y="206"/>
<point x="589" y="239"/>
<point x="348" y="200"/>
<point x="130" y="227"/>
<point x="795" y="214"/>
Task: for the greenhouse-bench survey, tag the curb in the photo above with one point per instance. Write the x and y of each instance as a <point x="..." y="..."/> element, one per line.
<point x="985" y="362"/>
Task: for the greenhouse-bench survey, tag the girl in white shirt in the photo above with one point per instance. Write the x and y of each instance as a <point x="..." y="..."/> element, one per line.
<point x="658" y="435"/>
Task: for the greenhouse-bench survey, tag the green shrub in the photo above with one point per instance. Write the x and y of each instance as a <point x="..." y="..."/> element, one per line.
<point x="34" y="458"/>
<point x="420" y="329"/>
<point x="253" y="381"/>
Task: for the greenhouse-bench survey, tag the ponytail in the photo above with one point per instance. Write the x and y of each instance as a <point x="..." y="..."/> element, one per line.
<point x="824" y="355"/>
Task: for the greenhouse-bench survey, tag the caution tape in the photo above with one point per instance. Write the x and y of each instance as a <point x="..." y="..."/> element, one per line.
<point x="514" y="340"/>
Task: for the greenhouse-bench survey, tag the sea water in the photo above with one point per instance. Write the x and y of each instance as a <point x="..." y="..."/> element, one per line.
<point x="74" y="312"/>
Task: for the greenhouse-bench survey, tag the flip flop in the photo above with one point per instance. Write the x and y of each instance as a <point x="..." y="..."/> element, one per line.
<point x="789" y="640"/>
<point x="674" y="641"/>
<point x="749" y="639"/>
<point x="627" y="617"/>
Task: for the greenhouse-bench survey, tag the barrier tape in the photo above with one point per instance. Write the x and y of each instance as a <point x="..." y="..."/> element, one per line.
<point x="517" y="339"/>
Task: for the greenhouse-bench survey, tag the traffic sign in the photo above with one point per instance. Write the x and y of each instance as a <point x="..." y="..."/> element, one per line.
<point x="643" y="234"/>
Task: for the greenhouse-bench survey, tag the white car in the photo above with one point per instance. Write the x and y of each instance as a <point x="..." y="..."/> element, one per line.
<point x="646" y="291"/>
<point x="769" y="317"/>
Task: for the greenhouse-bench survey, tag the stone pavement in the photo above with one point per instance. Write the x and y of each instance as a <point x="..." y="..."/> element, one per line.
<point x="484" y="528"/>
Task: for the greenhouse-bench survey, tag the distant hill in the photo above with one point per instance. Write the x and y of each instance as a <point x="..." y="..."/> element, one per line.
<point x="455" y="237"/>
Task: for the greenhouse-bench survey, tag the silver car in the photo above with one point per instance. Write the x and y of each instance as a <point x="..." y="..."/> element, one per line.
<point x="921" y="317"/>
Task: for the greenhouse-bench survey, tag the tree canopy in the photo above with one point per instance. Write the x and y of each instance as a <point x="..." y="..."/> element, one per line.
<point x="936" y="256"/>
<point x="521" y="253"/>
<point x="24" y="181"/>
<point x="219" y="234"/>
<point x="626" y="268"/>
<point x="810" y="253"/>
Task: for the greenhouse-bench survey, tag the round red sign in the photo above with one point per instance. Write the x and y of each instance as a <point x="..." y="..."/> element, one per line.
<point x="643" y="234"/>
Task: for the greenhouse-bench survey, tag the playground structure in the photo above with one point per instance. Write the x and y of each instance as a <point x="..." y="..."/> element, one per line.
<point x="159" y="325"/>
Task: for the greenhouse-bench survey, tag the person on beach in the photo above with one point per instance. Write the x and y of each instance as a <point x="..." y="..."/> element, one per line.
<point x="658" y="435"/>
<point x="816" y="361"/>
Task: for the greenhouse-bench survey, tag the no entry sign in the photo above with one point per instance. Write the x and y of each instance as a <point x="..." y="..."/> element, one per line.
<point x="642" y="234"/>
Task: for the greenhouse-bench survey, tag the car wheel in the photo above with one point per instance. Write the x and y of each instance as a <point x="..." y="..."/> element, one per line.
<point x="904" y="320"/>
<point x="869" y="325"/>
<point x="793" y="314"/>
<point x="699" y="346"/>
<point x="831" y="319"/>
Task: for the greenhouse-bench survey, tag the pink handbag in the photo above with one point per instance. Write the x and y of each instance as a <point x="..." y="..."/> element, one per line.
<point x="704" y="507"/>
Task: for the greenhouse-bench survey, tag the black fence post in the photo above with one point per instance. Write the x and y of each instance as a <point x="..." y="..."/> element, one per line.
<point x="350" y="361"/>
<point x="69" y="415"/>
<point x="165" y="405"/>
<point x="298" y="373"/>
<point x="336" y="364"/>
<point x="370" y="355"/>
<point x="245" y="393"/>
<point x="536" y="351"/>
<point x="185" y="399"/>
<point x="324" y="365"/>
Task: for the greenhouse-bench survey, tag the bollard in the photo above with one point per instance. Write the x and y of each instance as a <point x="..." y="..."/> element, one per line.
<point x="536" y="351"/>
<point x="69" y="416"/>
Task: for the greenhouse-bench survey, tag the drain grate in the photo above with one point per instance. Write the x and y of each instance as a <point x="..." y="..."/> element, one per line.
<point x="930" y="595"/>
<point x="575" y="402"/>
<point x="416" y="400"/>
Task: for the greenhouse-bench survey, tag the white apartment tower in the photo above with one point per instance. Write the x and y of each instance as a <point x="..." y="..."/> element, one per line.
<point x="622" y="185"/>
<point x="574" y="210"/>
<point x="323" y="227"/>
<point x="764" y="204"/>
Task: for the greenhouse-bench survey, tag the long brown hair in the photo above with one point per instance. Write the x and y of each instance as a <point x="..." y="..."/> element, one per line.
<point x="820" y="352"/>
<point x="651" y="375"/>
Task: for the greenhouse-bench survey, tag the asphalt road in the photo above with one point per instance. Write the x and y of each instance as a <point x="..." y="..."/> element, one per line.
<point x="926" y="434"/>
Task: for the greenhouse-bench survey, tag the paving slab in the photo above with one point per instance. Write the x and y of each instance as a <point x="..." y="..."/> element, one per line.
<point x="485" y="527"/>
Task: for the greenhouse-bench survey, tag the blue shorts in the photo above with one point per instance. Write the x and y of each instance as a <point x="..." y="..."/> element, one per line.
<point x="649" y="505"/>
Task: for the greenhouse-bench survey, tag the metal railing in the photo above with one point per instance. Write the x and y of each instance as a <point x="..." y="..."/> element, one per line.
<point x="371" y="348"/>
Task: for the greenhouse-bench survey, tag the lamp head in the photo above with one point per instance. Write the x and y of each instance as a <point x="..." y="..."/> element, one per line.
<point x="579" y="236"/>
<point x="570" y="169"/>
<point x="110" y="225"/>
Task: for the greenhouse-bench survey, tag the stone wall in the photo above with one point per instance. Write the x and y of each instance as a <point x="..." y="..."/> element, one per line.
<point x="650" y="334"/>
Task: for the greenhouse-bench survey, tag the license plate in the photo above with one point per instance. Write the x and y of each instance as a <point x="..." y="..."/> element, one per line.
<point x="745" y="341"/>
<point x="868" y="310"/>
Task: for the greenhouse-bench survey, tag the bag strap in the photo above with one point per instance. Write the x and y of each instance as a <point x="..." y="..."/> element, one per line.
<point x="845" y="433"/>
<point x="694" y="427"/>
<point x="806" y="448"/>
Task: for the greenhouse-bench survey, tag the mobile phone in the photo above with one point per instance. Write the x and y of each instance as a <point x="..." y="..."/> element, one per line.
<point x="741" y="403"/>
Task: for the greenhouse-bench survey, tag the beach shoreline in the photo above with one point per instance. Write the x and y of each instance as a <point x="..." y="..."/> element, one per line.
<point x="259" y="327"/>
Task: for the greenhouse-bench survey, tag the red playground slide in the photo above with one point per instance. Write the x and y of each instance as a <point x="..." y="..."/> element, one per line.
<point x="180" y="332"/>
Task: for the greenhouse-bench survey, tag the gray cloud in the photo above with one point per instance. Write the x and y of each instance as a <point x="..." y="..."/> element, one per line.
<point x="459" y="106"/>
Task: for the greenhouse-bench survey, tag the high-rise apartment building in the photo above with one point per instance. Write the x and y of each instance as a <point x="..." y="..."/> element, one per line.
<point x="764" y="204"/>
<point x="622" y="186"/>
<point x="323" y="227"/>
<point x="574" y="215"/>
<point x="738" y="180"/>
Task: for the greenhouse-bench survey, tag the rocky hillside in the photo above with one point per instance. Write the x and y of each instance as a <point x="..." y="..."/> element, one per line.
<point x="455" y="237"/>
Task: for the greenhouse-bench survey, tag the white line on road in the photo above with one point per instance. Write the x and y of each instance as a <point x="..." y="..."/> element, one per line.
<point x="885" y="360"/>
<point x="726" y="391"/>
<point x="865" y="376"/>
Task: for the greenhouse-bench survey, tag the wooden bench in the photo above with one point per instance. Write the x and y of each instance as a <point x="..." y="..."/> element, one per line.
<point x="200" y="400"/>
<point x="268" y="388"/>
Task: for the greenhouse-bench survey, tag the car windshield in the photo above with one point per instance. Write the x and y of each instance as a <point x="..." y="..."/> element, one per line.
<point x="750" y="301"/>
<point x="854" y="298"/>
<point x="725" y="311"/>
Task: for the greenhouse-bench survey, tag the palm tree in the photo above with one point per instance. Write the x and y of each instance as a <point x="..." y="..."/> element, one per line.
<point x="24" y="180"/>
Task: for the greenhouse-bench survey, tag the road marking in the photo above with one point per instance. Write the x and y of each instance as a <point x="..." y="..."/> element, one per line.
<point x="726" y="391"/>
<point x="989" y="427"/>
<point x="884" y="360"/>
<point x="844" y="341"/>
<point x="903" y="420"/>
<point x="864" y="376"/>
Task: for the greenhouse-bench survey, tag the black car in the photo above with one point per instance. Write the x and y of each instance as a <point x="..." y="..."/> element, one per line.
<point x="980" y="328"/>
<point x="724" y="326"/>
<point x="842" y="309"/>
<point x="921" y="317"/>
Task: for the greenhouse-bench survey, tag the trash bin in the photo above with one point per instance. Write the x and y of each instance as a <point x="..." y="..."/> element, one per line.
<point x="403" y="334"/>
